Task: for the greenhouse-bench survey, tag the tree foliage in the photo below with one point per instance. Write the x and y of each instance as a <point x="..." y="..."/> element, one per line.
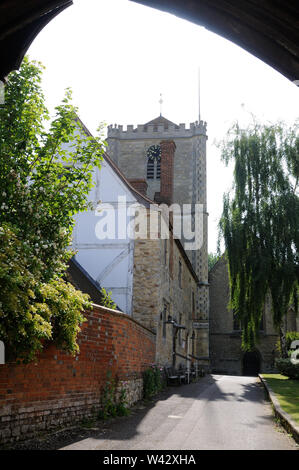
<point x="45" y="175"/>
<point x="260" y="223"/>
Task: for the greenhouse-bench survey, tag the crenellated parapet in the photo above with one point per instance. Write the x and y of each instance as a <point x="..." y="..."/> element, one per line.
<point x="159" y="131"/>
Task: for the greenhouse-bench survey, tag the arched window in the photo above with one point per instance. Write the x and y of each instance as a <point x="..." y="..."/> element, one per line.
<point x="236" y="322"/>
<point x="153" y="170"/>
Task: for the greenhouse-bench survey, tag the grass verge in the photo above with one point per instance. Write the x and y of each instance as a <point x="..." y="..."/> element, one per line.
<point x="287" y="393"/>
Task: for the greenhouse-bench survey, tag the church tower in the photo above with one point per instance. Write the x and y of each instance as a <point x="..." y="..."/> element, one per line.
<point x="139" y="154"/>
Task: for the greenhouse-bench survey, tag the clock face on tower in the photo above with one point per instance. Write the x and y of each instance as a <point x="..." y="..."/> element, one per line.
<point x="154" y="153"/>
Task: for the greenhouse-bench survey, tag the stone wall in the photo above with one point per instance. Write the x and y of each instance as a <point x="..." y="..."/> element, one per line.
<point x="164" y="284"/>
<point x="128" y="148"/>
<point x="225" y="341"/>
<point x="60" y="390"/>
<point x="147" y="283"/>
<point x="227" y="355"/>
<point x="140" y="185"/>
<point x="134" y="390"/>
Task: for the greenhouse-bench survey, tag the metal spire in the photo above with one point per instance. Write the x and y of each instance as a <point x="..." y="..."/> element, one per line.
<point x="199" y="94"/>
<point x="161" y="102"/>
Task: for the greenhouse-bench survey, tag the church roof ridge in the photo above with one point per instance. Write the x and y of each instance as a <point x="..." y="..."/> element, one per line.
<point x="160" y="120"/>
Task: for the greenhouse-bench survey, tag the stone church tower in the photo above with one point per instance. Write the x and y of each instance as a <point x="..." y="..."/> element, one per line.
<point x="167" y="162"/>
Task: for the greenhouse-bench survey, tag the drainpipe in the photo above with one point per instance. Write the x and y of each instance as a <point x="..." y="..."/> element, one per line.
<point x="188" y="362"/>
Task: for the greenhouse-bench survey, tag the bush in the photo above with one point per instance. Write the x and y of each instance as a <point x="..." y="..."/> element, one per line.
<point x="33" y="312"/>
<point x="153" y="381"/>
<point x="287" y="368"/>
<point x="290" y="337"/>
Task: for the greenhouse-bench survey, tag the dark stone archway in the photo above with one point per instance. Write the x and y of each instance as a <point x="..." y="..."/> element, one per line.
<point x="267" y="29"/>
<point x="20" y="23"/>
<point x="251" y="364"/>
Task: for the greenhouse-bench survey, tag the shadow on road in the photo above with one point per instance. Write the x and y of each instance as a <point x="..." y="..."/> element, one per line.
<point x="128" y="428"/>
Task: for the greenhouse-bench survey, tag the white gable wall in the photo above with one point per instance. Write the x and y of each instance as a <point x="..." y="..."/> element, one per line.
<point x="110" y="262"/>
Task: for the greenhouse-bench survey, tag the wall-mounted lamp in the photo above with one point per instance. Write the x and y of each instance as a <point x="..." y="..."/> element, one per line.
<point x="170" y="320"/>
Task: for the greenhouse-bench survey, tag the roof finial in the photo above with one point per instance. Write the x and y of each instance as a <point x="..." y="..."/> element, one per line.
<point x="161" y="102"/>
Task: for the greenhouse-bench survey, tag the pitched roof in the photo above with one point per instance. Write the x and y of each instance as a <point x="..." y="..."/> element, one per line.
<point x="80" y="279"/>
<point x="160" y="120"/>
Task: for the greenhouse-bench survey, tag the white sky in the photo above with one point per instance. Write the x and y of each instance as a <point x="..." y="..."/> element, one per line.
<point x="118" y="57"/>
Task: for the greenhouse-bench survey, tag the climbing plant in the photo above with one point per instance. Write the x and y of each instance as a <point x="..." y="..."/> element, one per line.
<point x="153" y="381"/>
<point x="107" y="301"/>
<point x="260" y="223"/>
<point x="113" y="398"/>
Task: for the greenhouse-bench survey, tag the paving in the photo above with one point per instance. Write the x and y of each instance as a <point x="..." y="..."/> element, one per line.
<point x="216" y="413"/>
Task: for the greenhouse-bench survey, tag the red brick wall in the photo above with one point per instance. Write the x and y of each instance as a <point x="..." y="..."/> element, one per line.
<point x="140" y="185"/>
<point x="167" y="167"/>
<point x="60" y="389"/>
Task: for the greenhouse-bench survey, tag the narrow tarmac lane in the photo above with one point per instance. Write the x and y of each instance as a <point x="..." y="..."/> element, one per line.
<point x="217" y="413"/>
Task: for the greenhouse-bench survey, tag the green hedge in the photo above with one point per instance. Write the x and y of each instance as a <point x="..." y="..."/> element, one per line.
<point x="287" y="368"/>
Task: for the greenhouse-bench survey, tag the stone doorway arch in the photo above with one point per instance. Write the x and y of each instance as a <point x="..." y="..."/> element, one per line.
<point x="251" y="363"/>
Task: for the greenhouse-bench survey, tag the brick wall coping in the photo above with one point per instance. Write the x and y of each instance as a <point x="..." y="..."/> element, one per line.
<point x="122" y="315"/>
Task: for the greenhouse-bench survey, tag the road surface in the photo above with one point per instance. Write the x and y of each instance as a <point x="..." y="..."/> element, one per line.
<point x="217" y="413"/>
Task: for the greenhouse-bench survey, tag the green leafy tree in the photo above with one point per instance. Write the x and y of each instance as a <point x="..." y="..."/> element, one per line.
<point x="45" y="175"/>
<point x="260" y="223"/>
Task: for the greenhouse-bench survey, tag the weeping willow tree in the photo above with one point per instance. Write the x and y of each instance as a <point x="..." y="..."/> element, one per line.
<point x="260" y="224"/>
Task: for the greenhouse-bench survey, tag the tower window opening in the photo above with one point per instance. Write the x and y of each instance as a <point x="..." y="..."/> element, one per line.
<point x="150" y="174"/>
<point x="153" y="162"/>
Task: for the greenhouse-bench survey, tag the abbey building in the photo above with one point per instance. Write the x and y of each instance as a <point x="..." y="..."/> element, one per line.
<point x="162" y="282"/>
<point x="178" y="176"/>
<point x="157" y="276"/>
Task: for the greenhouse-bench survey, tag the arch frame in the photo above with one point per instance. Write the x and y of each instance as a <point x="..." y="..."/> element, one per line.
<point x="259" y="357"/>
<point x="264" y="29"/>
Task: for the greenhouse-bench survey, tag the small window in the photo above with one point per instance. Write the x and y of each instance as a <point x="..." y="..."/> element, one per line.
<point x="193" y="305"/>
<point x="165" y="252"/>
<point x="237" y="323"/>
<point x="180" y="274"/>
<point x="180" y="330"/>
<point x="262" y="323"/>
<point x="164" y="319"/>
<point x="193" y="342"/>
